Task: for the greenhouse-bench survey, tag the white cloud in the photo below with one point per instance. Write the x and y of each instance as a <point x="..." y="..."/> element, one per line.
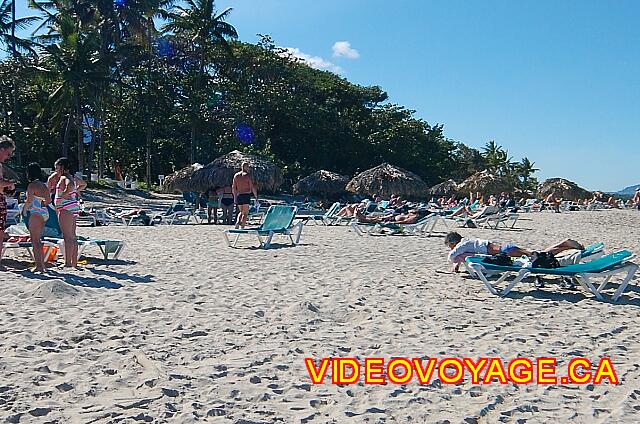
<point x="344" y="49"/>
<point x="314" y="61"/>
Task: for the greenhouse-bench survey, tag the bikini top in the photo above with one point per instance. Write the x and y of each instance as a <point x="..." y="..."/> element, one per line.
<point x="73" y="194"/>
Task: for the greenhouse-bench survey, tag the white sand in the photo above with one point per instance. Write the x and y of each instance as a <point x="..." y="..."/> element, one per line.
<point x="183" y="329"/>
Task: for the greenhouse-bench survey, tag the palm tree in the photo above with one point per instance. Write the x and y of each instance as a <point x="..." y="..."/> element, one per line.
<point x="8" y="26"/>
<point x="525" y="170"/>
<point x="206" y="30"/>
<point x="14" y="44"/>
<point x="117" y="30"/>
<point x="70" y="57"/>
<point x="494" y="156"/>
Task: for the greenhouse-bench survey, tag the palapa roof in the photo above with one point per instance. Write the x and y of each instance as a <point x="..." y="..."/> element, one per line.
<point x="561" y="188"/>
<point x="486" y="183"/>
<point x="321" y="182"/>
<point x="445" y="188"/>
<point x="181" y="180"/>
<point x="266" y="175"/>
<point x="385" y="180"/>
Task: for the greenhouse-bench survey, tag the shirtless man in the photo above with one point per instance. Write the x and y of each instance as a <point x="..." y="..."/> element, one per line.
<point x="7" y="146"/>
<point x="242" y="188"/>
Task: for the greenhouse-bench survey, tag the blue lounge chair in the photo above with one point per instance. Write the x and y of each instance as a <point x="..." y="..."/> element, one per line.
<point x="277" y="220"/>
<point x="591" y="252"/>
<point x="604" y="267"/>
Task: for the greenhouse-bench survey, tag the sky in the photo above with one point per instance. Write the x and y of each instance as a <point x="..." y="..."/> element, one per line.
<point x="557" y="81"/>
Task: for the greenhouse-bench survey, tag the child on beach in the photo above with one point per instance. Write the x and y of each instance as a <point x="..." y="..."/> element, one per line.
<point x="36" y="206"/>
<point x="462" y="248"/>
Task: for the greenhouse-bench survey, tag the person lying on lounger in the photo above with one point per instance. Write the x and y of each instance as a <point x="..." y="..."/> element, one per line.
<point x="349" y="210"/>
<point x="462" y="248"/>
<point x="411" y="217"/>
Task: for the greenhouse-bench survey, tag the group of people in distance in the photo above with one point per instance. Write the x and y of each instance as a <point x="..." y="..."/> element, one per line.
<point x="240" y="191"/>
<point x="61" y="189"/>
<point x="400" y="211"/>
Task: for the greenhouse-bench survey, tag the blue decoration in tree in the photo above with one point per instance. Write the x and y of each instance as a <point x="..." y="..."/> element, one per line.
<point x="244" y="133"/>
<point x="120" y="3"/>
<point x="165" y="48"/>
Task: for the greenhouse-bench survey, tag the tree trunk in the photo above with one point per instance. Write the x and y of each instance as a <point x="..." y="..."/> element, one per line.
<point x="194" y="108"/>
<point x="92" y="149"/>
<point x="81" y="158"/>
<point x="65" y="140"/>
<point x="194" y="134"/>
<point x="149" y="134"/>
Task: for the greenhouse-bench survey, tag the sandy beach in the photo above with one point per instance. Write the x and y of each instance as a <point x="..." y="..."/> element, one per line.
<point x="183" y="329"/>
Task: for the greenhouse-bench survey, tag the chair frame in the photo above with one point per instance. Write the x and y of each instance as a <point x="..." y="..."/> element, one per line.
<point x="293" y="231"/>
<point x="585" y="279"/>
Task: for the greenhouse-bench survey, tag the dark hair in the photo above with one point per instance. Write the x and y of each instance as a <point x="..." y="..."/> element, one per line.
<point x="64" y="163"/>
<point x="452" y="237"/>
<point x="7" y="143"/>
<point x="34" y="172"/>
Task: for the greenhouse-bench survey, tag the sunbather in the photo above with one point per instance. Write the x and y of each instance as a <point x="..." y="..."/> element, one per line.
<point x="350" y="210"/>
<point x="462" y="248"/>
<point x="411" y="217"/>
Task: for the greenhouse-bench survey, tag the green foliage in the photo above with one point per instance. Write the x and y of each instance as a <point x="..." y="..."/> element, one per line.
<point x="162" y="100"/>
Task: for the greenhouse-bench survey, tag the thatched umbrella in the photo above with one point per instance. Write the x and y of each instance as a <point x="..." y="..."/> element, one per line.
<point x="182" y="180"/>
<point x="445" y="188"/>
<point x="486" y="184"/>
<point x="385" y="180"/>
<point x="266" y="175"/>
<point x="323" y="183"/>
<point x="561" y="188"/>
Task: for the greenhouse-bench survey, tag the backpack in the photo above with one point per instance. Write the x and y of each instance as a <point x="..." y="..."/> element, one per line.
<point x="544" y="260"/>
<point x="499" y="259"/>
<point x="470" y="224"/>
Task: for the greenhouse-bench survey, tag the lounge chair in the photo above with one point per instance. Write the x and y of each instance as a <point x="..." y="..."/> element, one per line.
<point x="177" y="213"/>
<point x="277" y="220"/>
<point x="21" y="240"/>
<point x="53" y="234"/>
<point x="591" y="252"/>
<point x="604" y="267"/>
<point x="14" y="211"/>
<point x="323" y="218"/>
<point x="478" y="220"/>
<point x="495" y="220"/>
<point x="424" y="226"/>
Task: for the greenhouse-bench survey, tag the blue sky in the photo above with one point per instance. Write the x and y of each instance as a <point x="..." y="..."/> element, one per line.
<point x="556" y="81"/>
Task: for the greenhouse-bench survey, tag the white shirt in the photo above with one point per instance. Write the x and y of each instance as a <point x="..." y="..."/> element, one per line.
<point x="475" y="246"/>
